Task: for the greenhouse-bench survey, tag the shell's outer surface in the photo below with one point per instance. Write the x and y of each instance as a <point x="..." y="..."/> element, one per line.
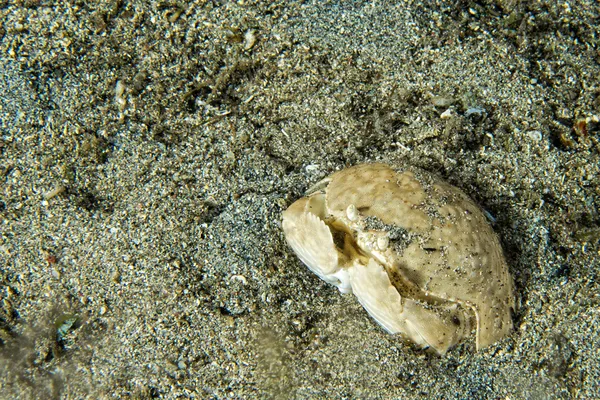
<point x="417" y="252"/>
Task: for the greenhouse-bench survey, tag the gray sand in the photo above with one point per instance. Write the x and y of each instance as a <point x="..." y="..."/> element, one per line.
<point x="147" y="152"/>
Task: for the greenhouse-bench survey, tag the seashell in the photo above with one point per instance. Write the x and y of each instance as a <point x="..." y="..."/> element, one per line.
<point x="418" y="253"/>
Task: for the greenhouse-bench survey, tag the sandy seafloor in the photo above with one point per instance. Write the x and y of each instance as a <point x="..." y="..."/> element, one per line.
<point x="148" y="148"/>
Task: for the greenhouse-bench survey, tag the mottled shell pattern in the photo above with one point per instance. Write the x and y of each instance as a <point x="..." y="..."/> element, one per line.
<point x="418" y="253"/>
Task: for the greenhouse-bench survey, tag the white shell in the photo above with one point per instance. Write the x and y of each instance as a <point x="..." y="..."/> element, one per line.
<point x="418" y="254"/>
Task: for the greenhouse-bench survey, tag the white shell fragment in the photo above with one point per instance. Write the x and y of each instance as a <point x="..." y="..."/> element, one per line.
<point x="418" y="253"/>
<point x="249" y="39"/>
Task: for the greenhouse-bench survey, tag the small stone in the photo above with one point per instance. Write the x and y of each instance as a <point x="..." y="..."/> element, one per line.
<point x="536" y="136"/>
<point x="447" y="114"/>
<point x="249" y="39"/>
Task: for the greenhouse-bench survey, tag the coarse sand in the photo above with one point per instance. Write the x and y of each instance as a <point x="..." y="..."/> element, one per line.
<point x="148" y="148"/>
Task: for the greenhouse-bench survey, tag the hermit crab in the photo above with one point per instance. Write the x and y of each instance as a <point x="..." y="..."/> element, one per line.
<point x="417" y="252"/>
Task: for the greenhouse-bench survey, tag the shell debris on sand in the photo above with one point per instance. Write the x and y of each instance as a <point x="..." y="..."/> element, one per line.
<point x="417" y="252"/>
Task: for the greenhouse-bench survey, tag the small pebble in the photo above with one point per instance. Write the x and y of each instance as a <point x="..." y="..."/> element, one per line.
<point x="535" y="135"/>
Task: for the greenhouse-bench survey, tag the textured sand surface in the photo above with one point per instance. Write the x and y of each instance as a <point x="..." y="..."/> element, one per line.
<point x="148" y="148"/>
